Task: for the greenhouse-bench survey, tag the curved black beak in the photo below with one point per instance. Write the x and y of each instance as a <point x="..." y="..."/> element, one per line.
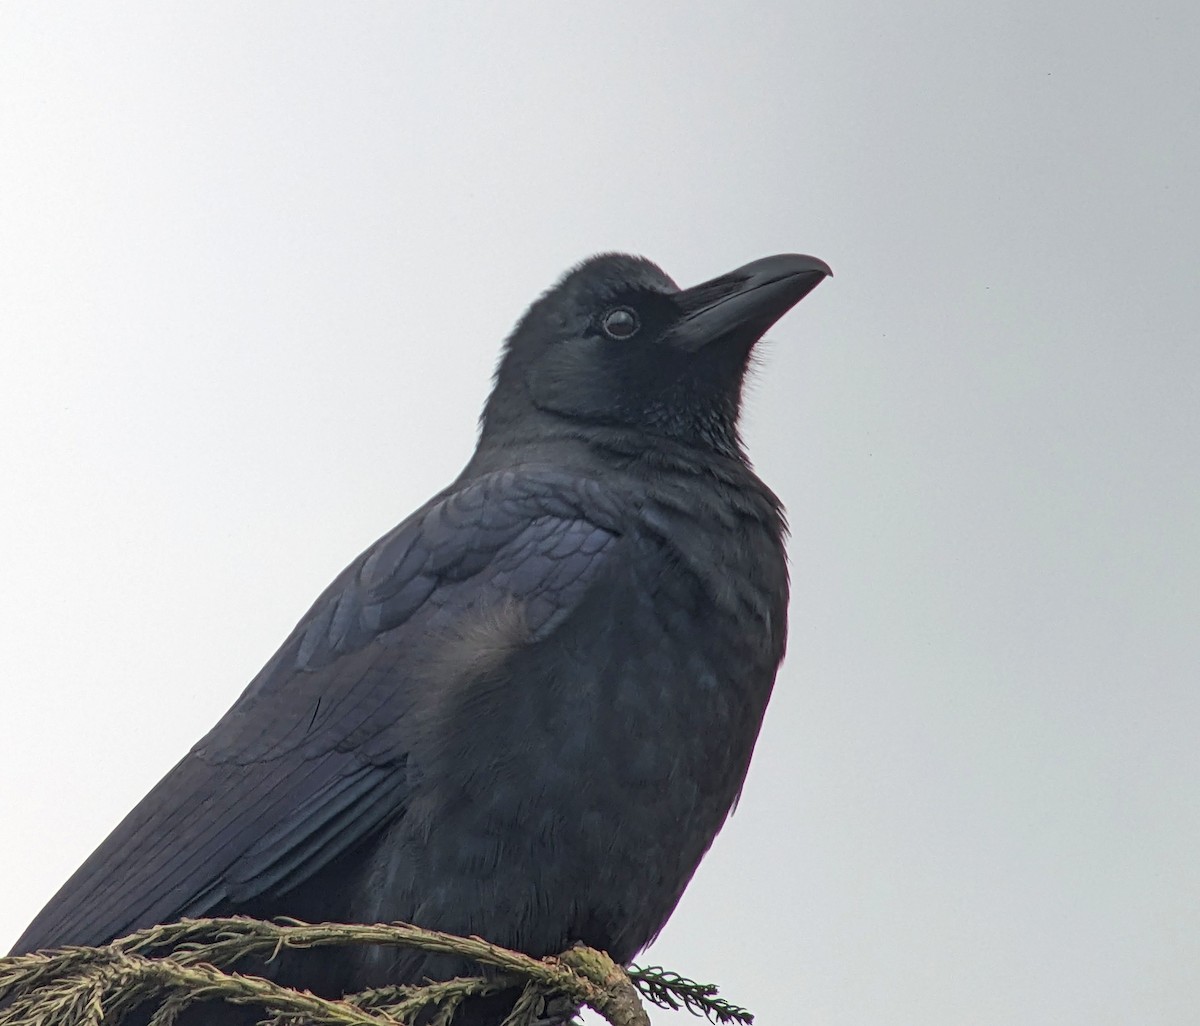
<point x="745" y="302"/>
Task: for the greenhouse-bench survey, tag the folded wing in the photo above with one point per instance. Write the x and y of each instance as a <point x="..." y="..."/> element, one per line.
<point x="311" y="761"/>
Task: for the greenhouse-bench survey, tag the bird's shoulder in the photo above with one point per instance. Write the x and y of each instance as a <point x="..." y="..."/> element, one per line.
<point x="493" y="559"/>
<point x="527" y="533"/>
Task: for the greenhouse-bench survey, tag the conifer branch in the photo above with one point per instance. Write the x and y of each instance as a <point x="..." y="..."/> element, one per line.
<point x="176" y="965"/>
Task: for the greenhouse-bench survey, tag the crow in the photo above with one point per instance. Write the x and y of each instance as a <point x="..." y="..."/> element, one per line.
<point x="526" y="711"/>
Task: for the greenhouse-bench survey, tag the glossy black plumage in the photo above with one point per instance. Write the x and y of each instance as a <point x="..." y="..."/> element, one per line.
<point x="526" y="711"/>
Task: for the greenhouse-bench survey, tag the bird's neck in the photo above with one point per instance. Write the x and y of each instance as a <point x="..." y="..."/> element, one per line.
<point x="711" y="443"/>
<point x="598" y="452"/>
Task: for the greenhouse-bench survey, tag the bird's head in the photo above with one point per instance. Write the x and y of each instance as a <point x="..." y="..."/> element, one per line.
<point x="617" y="343"/>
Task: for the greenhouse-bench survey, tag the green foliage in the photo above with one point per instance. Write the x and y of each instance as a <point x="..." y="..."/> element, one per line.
<point x="670" y="990"/>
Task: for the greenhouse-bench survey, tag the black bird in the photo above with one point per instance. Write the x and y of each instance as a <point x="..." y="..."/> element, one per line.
<point x="526" y="711"/>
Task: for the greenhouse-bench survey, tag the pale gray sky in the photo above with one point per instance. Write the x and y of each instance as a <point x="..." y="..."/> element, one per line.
<point x="255" y="265"/>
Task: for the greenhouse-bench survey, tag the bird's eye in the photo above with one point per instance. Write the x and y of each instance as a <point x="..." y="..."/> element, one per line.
<point x="620" y="323"/>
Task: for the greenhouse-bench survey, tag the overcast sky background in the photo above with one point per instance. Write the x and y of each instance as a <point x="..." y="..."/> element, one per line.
<point x="256" y="262"/>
